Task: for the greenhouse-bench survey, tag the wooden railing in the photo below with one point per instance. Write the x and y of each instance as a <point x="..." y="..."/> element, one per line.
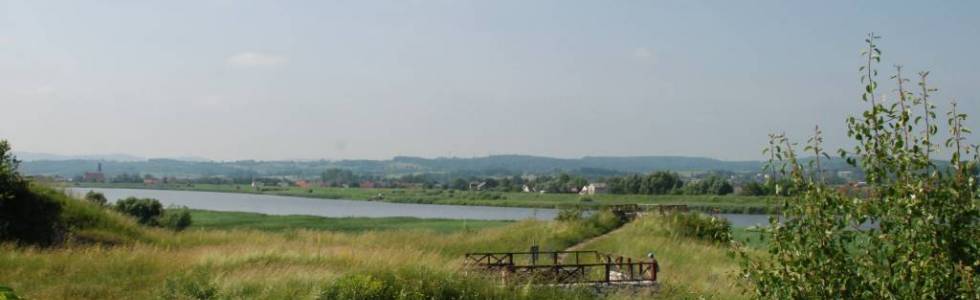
<point x="565" y="267"/>
<point x="664" y="208"/>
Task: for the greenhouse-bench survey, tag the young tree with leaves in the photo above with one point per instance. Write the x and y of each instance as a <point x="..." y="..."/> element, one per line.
<point x="915" y="236"/>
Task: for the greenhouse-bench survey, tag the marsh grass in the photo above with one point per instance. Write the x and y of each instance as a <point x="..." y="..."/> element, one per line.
<point x="258" y="264"/>
<point x="109" y="256"/>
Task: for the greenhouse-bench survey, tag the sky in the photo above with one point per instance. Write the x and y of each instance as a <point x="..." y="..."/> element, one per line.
<point x="270" y="80"/>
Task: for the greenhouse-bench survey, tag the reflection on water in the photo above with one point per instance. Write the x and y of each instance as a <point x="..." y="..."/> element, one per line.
<point x="746" y="220"/>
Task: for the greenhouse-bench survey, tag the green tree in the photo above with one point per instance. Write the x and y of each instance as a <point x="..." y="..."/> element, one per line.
<point x="517" y="181"/>
<point x="490" y="183"/>
<point x="913" y="237"/>
<point x="96" y="197"/>
<point x="176" y="218"/>
<point x="459" y="184"/>
<point x="339" y="176"/>
<point x="145" y="210"/>
<point x="656" y="183"/>
<point x="721" y="187"/>
<point x="25" y="217"/>
<point x="577" y="183"/>
<point x="713" y="185"/>
<point x="7" y="293"/>
<point x="754" y="189"/>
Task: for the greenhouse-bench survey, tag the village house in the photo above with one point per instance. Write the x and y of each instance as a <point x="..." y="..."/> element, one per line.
<point x="367" y="184"/>
<point x="593" y="188"/>
<point x="477" y="185"/>
<point x="93" y="177"/>
<point x="302" y="183"/>
<point x="257" y="184"/>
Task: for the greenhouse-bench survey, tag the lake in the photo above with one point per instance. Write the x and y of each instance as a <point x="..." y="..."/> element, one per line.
<point x="285" y="205"/>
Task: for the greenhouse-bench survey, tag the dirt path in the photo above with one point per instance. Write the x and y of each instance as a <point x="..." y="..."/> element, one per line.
<point x="581" y="245"/>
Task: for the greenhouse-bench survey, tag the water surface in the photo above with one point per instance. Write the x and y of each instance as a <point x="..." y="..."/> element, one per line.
<point x="285" y="205"/>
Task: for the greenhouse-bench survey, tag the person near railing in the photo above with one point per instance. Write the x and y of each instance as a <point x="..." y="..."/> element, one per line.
<point x="654" y="266"/>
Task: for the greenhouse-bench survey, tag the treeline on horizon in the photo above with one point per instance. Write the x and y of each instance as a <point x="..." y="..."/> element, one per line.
<point x="653" y="183"/>
<point x="491" y="166"/>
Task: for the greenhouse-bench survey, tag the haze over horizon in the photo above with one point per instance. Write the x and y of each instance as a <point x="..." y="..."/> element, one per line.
<point x="124" y="157"/>
<point x="234" y="80"/>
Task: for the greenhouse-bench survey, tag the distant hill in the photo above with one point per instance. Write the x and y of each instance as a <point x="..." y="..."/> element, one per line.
<point x="496" y="165"/>
<point x="537" y="164"/>
<point x="35" y="156"/>
<point x="478" y="166"/>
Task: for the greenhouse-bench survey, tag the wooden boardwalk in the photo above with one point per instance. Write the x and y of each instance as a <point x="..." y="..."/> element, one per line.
<point x="565" y="267"/>
<point x="573" y="266"/>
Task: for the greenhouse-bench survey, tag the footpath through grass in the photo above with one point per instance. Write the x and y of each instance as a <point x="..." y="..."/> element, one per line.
<point x="724" y="204"/>
<point x="690" y="269"/>
<point x="207" y="219"/>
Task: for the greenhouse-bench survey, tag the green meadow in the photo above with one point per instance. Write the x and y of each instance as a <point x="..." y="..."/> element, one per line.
<point x="230" y="255"/>
<point x="219" y="220"/>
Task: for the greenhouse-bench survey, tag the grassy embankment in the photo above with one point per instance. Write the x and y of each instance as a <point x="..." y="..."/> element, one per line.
<point x="725" y="204"/>
<point x="109" y="256"/>
<point x="690" y="268"/>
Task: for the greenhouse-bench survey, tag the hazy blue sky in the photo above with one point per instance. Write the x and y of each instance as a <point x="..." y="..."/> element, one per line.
<point x="373" y="79"/>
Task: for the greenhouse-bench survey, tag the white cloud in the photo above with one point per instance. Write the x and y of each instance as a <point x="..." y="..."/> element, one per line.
<point x="256" y="59"/>
<point x="644" y="54"/>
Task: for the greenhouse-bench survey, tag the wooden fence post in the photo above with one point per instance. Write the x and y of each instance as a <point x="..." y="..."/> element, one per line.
<point x="630" y="262"/>
<point x="607" y="272"/>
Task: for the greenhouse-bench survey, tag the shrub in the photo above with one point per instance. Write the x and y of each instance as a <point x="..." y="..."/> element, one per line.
<point x="146" y="211"/>
<point x="599" y="222"/>
<point x="704" y="227"/>
<point x="357" y="287"/>
<point x="7" y="293"/>
<point x="924" y="242"/>
<point x="96" y="197"/>
<point x="754" y="189"/>
<point x="33" y="214"/>
<point x="569" y="214"/>
<point x="176" y="218"/>
<point x="418" y="283"/>
<point x="605" y="220"/>
<point x="25" y="216"/>
<point x="195" y="284"/>
<point x="150" y="212"/>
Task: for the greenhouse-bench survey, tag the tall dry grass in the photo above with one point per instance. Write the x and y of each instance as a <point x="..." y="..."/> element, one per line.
<point x="690" y="268"/>
<point x="254" y="264"/>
